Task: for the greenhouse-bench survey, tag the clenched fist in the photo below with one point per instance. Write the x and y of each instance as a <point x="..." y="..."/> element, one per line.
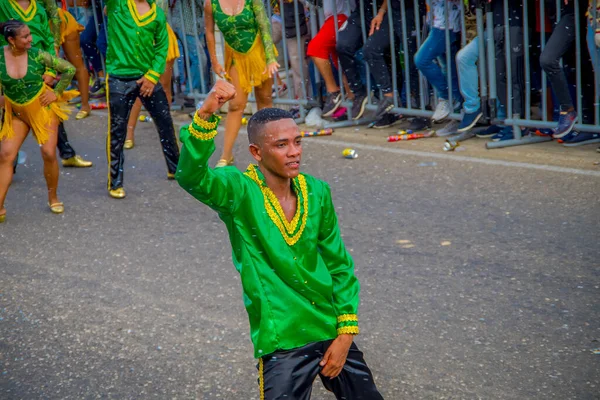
<point x="220" y="94"/>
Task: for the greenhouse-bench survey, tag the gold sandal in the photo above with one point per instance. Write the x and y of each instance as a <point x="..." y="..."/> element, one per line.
<point x="128" y="144"/>
<point x="82" y="114"/>
<point x="224" y="163"/>
<point x="57" y="208"/>
<point x="2" y="218"/>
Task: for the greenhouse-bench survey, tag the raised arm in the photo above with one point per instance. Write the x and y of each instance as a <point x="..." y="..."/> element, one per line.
<point x="264" y="26"/>
<point x="220" y="189"/>
<point x="64" y="68"/>
<point x="53" y="20"/>
<point x="209" y="31"/>
<point x="341" y="267"/>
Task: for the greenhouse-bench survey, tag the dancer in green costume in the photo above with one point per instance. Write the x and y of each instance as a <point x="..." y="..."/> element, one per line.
<point x="298" y="279"/>
<point x="30" y="104"/>
<point x="250" y="59"/>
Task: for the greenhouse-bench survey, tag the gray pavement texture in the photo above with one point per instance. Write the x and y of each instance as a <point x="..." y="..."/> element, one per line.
<point x="478" y="281"/>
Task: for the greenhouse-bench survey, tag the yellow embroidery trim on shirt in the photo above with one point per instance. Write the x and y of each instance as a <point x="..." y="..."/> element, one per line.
<point x="347" y="318"/>
<point x="26" y="15"/>
<point x="141" y="20"/>
<point x="205" y="124"/>
<point x="290" y="231"/>
<point x="348" y="330"/>
<point x="202" y="135"/>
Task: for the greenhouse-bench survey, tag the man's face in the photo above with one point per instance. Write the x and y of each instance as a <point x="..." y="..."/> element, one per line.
<point x="280" y="148"/>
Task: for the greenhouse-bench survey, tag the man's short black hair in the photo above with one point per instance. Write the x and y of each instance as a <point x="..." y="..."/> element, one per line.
<point x="263" y="117"/>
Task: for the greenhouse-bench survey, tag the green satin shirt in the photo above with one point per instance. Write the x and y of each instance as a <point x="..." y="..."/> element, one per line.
<point x="297" y="278"/>
<point x="36" y="19"/>
<point x="137" y="44"/>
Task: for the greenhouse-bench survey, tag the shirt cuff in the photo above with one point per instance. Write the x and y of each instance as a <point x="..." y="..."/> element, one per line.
<point x="50" y="72"/>
<point x="152" y="76"/>
<point x="347" y="324"/>
<point x="204" y="130"/>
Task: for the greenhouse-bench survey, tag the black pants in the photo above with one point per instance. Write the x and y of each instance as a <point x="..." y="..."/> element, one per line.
<point x="560" y="41"/>
<point x="517" y="66"/>
<point x="350" y="40"/>
<point x="122" y="93"/>
<point x="379" y="43"/>
<point x="64" y="147"/>
<point x="290" y="374"/>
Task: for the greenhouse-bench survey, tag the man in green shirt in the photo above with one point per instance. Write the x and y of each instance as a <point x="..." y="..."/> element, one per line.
<point x="298" y="280"/>
<point x="135" y="60"/>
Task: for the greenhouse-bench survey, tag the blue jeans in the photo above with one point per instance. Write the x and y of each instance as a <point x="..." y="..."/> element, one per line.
<point x="433" y="48"/>
<point x="468" y="75"/>
<point x="93" y="44"/>
<point x="197" y="63"/>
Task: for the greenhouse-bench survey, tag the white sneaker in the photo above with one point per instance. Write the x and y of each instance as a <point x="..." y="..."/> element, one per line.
<point x="443" y="109"/>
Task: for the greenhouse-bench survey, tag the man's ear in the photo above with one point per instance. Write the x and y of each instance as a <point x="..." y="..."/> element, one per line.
<point x="256" y="152"/>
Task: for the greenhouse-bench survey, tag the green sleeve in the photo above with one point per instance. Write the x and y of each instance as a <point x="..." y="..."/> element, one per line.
<point x="221" y="189"/>
<point x="341" y="267"/>
<point x="65" y="68"/>
<point x="264" y="26"/>
<point x="161" y="47"/>
<point x="53" y="20"/>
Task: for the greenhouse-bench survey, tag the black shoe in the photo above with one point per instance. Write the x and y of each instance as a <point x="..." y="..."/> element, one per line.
<point x="419" y="124"/>
<point x="387" y="120"/>
<point x="358" y="105"/>
<point x="385" y="105"/>
<point x="332" y="103"/>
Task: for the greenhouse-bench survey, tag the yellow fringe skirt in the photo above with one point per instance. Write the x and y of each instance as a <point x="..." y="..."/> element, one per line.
<point x="68" y="25"/>
<point x="251" y="66"/>
<point x="173" y="51"/>
<point x="37" y="117"/>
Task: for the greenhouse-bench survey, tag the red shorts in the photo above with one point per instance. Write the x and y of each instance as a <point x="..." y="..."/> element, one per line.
<point x="323" y="44"/>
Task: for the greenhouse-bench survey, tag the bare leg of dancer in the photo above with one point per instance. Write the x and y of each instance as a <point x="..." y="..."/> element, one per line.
<point x="51" y="172"/>
<point x="165" y="81"/>
<point x="9" y="151"/>
<point x="234" y="117"/>
<point x="72" y="49"/>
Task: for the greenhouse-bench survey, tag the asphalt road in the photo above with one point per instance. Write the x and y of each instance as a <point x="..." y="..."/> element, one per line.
<point x="479" y="281"/>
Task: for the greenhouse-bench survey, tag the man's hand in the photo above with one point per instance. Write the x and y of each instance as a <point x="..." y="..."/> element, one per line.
<point x="48" y="79"/>
<point x="376" y="23"/>
<point x="335" y="357"/>
<point x="146" y="86"/>
<point x="220" y="94"/>
<point x="47" y="97"/>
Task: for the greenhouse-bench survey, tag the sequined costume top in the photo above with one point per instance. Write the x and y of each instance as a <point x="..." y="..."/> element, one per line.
<point x="23" y="90"/>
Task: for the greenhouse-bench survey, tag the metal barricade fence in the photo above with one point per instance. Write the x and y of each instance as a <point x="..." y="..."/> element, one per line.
<point x="426" y="96"/>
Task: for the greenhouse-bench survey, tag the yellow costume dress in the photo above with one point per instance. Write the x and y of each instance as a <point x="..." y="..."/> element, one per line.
<point x="248" y="42"/>
<point x="22" y="95"/>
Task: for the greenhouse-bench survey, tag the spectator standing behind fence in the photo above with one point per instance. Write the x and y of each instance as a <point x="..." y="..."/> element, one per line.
<point x="190" y="30"/>
<point x="322" y="47"/>
<point x="374" y="51"/>
<point x="296" y="55"/>
<point x="349" y="42"/>
<point x="138" y="43"/>
<point x="434" y="47"/>
<point x="93" y="44"/>
<point x="558" y="44"/>
<point x="165" y="80"/>
<point x="250" y="59"/>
